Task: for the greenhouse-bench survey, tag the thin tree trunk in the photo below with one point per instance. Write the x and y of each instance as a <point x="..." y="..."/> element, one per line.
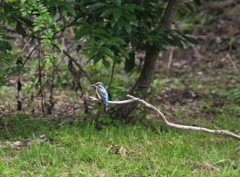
<point x="143" y="83"/>
<point x="170" y="12"/>
<point x="141" y="86"/>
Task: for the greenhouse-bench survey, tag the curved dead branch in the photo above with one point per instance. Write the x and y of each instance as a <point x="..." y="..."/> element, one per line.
<point x="165" y="121"/>
<point x="116" y="102"/>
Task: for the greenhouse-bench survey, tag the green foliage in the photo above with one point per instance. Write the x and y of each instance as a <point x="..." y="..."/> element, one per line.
<point x="42" y="26"/>
<point x="109" y="32"/>
<point x="105" y="119"/>
<point x="6" y="63"/>
<point x="42" y="23"/>
<point x="232" y="95"/>
<point x="112" y="27"/>
<point x="20" y="130"/>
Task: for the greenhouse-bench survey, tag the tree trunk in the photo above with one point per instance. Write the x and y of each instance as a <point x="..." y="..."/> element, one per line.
<point x="141" y="86"/>
<point x="143" y="83"/>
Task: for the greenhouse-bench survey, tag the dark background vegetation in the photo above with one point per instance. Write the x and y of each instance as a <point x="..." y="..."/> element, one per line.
<point x="103" y="42"/>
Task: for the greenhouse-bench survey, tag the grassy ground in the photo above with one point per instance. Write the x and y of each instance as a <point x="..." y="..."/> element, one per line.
<point x="73" y="147"/>
<point x="78" y="149"/>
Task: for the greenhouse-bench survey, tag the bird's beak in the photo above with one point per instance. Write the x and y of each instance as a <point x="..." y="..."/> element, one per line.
<point x="92" y="85"/>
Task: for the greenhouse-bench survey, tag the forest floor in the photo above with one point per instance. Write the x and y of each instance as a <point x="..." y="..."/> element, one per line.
<point x="198" y="85"/>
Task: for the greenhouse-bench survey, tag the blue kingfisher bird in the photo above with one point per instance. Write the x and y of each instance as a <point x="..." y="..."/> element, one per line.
<point x="101" y="92"/>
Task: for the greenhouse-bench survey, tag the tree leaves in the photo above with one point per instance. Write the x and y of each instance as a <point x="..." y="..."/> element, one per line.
<point x="106" y="64"/>
<point x="130" y="63"/>
<point x="4" y="45"/>
<point x="2" y="16"/>
<point x="108" y="51"/>
<point x="131" y="7"/>
<point x="123" y="51"/>
<point x="101" y="31"/>
<point x="128" y="27"/>
<point x="19" y="28"/>
<point x="112" y="27"/>
<point x="176" y="41"/>
<point x="117" y="2"/>
<point x="92" y="52"/>
<point x="98" y="57"/>
<point x="190" y="39"/>
<point x="70" y="9"/>
<point x="96" y="6"/>
<point x="80" y="33"/>
<point x="131" y="18"/>
<point x="134" y="43"/>
<point x="61" y="10"/>
<point x="120" y="23"/>
<point x="27" y="22"/>
<point x="107" y="12"/>
<point x="157" y="45"/>
<point x="198" y="2"/>
<point x="117" y="14"/>
<point x="53" y="11"/>
<point x="114" y="41"/>
<point x="189" y="7"/>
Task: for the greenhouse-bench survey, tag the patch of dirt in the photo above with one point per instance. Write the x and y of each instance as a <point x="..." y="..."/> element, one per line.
<point x="204" y="70"/>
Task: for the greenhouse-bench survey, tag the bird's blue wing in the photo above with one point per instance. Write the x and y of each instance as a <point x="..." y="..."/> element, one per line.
<point x="103" y="94"/>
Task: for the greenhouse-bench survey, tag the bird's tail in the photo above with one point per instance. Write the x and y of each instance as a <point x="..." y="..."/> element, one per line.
<point x="106" y="102"/>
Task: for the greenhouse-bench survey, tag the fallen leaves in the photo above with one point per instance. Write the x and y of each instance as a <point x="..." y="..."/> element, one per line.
<point x="137" y="148"/>
<point x="122" y="151"/>
<point x="206" y="167"/>
<point x="149" y="142"/>
<point x="24" y="142"/>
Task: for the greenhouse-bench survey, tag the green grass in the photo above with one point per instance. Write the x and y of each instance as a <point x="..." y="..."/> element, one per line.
<point x="81" y="150"/>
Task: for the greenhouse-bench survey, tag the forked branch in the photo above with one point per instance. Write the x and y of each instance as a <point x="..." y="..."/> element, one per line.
<point x="165" y="121"/>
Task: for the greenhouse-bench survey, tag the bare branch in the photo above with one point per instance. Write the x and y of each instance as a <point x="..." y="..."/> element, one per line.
<point x="116" y="102"/>
<point x="77" y="64"/>
<point x="165" y="121"/>
<point x="170" y="57"/>
<point x="28" y="57"/>
<point x="24" y="47"/>
<point x="233" y="63"/>
<point x="185" y="127"/>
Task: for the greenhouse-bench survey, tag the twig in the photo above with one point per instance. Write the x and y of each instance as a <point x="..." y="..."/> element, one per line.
<point x="197" y="54"/>
<point x="165" y="121"/>
<point x="113" y="67"/>
<point x="29" y="55"/>
<point x="77" y="64"/>
<point x="25" y="46"/>
<point x="231" y="60"/>
<point x="170" y="58"/>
